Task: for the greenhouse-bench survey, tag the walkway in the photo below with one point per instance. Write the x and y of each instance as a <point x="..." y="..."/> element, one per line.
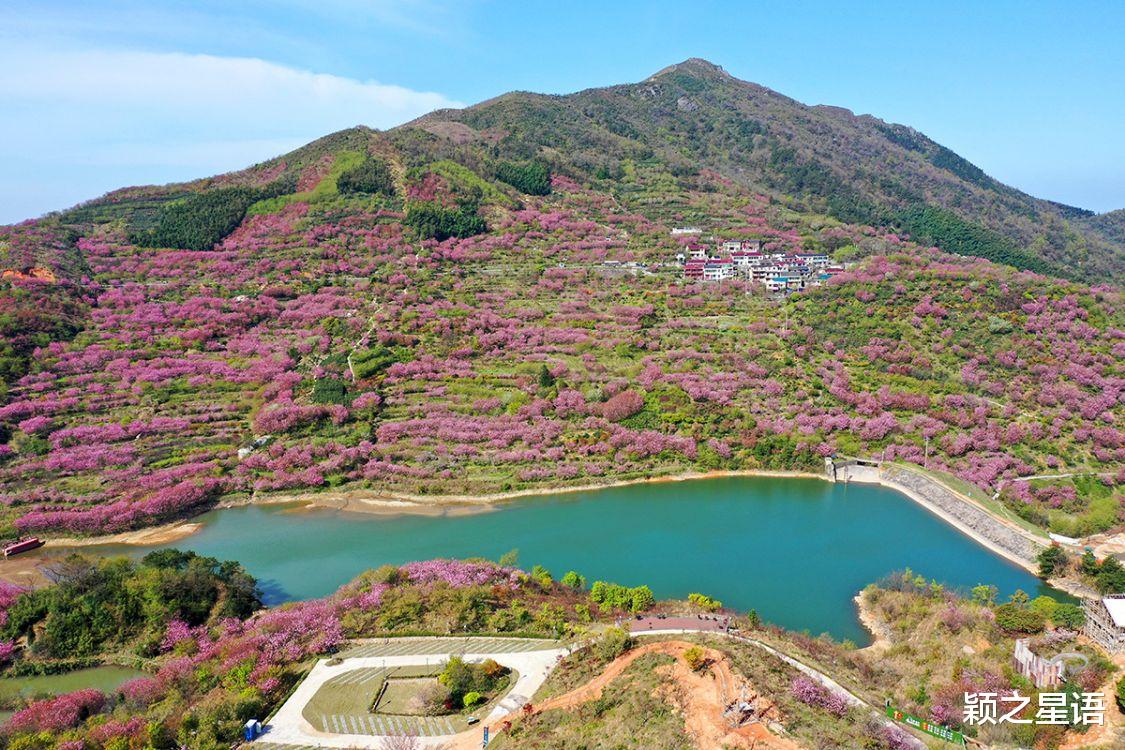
<point x="532" y="661"/>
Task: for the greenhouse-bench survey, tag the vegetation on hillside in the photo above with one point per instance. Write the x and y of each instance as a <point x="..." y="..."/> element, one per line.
<point x="533" y="178"/>
<point x="371" y="176"/>
<point x="213" y="668"/>
<point x="342" y="339"/>
<point x="98" y="605"/>
<point x="198" y="221"/>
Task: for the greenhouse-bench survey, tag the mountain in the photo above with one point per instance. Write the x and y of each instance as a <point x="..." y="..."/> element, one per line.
<point x="697" y="121"/>
<point x="487" y="301"/>
<point x="859" y="169"/>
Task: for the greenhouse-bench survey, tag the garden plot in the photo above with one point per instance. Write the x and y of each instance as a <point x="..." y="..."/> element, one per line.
<point x="332" y="707"/>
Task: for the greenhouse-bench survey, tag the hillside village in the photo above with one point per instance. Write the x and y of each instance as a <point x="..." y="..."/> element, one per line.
<point x="781" y="272"/>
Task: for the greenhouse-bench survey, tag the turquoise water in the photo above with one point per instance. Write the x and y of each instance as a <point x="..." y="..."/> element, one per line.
<point x="796" y="550"/>
<point x="104" y="678"/>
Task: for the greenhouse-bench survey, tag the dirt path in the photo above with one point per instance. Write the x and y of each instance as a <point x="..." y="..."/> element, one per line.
<point x="701" y="696"/>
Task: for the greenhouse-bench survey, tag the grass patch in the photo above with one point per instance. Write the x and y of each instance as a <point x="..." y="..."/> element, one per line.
<point x="325" y="189"/>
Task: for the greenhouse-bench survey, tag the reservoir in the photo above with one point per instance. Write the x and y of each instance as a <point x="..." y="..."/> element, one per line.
<point x="795" y="550"/>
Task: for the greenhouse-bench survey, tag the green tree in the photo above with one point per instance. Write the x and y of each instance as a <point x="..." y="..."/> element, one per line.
<point x="984" y="594"/>
<point x="1051" y="560"/>
<point x="1111" y="576"/>
<point x="705" y="602"/>
<point x="613" y="643"/>
<point x="574" y="580"/>
<point x="330" y="391"/>
<point x="1088" y="564"/>
<point x="533" y="178"/>
<point x="1015" y="618"/>
<point x="696" y="658"/>
<point x="457" y="676"/>
<point x="641" y="599"/>
<point x="198" y="221"/>
<point x="546" y="379"/>
<point x="542" y="576"/>
<point x="1045" y="606"/>
<point x="431" y="221"/>
<point x="1069" y="616"/>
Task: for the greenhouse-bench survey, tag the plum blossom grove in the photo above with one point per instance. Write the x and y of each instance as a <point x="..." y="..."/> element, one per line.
<point x="254" y="661"/>
<point x="322" y="345"/>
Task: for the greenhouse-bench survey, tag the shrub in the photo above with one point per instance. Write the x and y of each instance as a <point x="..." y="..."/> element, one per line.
<point x="613" y="643"/>
<point x="471" y="699"/>
<point x="695" y="658"/>
<point x="1014" y="618"/>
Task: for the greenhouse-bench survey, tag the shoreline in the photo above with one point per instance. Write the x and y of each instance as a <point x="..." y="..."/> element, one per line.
<point x="880" y="637"/>
<point x="146" y="537"/>
<point x="955" y="522"/>
<point x="382" y="502"/>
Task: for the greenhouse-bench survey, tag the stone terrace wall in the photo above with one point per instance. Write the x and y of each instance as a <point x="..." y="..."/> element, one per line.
<point x="1016" y="542"/>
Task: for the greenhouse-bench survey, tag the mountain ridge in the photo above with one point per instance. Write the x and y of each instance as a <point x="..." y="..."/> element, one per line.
<point x="825" y="156"/>
<point x="820" y="158"/>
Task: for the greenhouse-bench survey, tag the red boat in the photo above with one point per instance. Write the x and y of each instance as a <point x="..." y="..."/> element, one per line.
<point x="23" y="544"/>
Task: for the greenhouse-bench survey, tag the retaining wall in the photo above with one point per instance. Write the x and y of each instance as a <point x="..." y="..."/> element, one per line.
<point x="1008" y="539"/>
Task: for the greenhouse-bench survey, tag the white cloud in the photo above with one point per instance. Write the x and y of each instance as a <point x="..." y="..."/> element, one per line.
<point x="134" y="112"/>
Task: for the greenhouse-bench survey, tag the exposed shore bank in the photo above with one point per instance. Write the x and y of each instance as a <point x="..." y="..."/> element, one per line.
<point x="382" y="502"/>
<point x="880" y="633"/>
<point x="153" y="535"/>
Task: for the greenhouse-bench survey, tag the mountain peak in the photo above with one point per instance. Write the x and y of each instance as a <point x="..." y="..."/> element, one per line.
<point x="696" y="67"/>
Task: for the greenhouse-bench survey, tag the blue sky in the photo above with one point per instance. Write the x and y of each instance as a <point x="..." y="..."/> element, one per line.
<point x="99" y="94"/>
